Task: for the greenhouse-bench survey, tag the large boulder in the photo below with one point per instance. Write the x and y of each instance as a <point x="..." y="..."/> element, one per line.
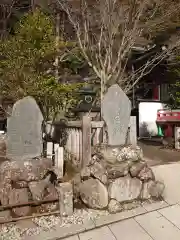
<point x="146" y="174"/>
<point x="125" y="189"/>
<point x="156" y="189"/>
<point x="153" y="189"/>
<point x="119" y="154"/>
<point x="130" y="154"/>
<point x="37" y="189"/>
<point x="145" y="193"/>
<point x="98" y="171"/>
<point x="94" y="194"/>
<point x="30" y="170"/>
<point x="117" y="170"/>
<point x="109" y="154"/>
<point x="136" y="168"/>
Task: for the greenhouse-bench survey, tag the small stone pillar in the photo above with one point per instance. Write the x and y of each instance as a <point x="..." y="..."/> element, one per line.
<point x="65" y="193"/>
<point x="177" y="137"/>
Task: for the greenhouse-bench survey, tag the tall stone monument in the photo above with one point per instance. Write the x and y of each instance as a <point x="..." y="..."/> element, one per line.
<point x="24" y="130"/>
<point x="116" y="111"/>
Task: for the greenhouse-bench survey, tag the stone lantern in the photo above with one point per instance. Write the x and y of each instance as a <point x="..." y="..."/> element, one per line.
<point x="87" y="104"/>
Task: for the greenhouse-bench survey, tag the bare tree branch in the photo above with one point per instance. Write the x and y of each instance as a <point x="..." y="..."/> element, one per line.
<point x="107" y="31"/>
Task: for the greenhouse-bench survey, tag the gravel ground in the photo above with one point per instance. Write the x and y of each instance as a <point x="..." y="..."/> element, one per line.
<point x="15" y="232"/>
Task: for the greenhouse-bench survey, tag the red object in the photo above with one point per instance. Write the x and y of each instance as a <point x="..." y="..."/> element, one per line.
<point x="156" y="93"/>
<point x="171" y="116"/>
<point x="168" y="132"/>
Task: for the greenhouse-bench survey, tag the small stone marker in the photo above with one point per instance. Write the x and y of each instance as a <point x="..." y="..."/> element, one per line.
<point x="24" y="133"/>
<point x="177" y="137"/>
<point x="65" y="193"/>
<point x="116" y="111"/>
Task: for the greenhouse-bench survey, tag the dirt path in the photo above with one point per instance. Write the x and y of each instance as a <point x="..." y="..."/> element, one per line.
<point x="155" y="154"/>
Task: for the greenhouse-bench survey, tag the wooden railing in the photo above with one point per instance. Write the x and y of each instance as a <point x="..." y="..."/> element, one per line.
<point x="82" y="135"/>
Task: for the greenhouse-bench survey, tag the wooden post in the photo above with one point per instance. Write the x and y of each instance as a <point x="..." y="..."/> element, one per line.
<point x="132" y="134"/>
<point x="133" y="131"/>
<point x="86" y="140"/>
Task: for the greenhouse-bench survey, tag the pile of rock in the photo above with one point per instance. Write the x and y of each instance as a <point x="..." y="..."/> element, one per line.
<point x="116" y="176"/>
<point x="25" y="181"/>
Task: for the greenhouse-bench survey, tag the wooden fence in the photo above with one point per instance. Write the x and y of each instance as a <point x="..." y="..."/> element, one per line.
<point x="82" y="135"/>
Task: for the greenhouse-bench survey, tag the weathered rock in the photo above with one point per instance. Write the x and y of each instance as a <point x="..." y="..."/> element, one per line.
<point x="37" y="189"/>
<point x="96" y="157"/>
<point x="109" y="154"/>
<point x="156" y="189"/>
<point x="130" y="154"/>
<point x="5" y="189"/>
<point x="146" y="174"/>
<point x="116" y="111"/>
<point x="125" y="189"/>
<point x="145" y="193"/>
<point x="18" y="196"/>
<point x="119" y="154"/>
<point x="117" y="170"/>
<point x="98" y="171"/>
<point x="37" y="168"/>
<point x="114" y="206"/>
<point x="5" y="215"/>
<point x="136" y="168"/>
<point x="2" y="145"/>
<point x="65" y="192"/>
<point x="24" y="130"/>
<point x="7" y="170"/>
<point x="29" y="170"/>
<point x="50" y="194"/>
<point x="94" y="194"/>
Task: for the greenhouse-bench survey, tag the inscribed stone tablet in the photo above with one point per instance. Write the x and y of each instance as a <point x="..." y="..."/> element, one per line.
<point x="116" y="111"/>
<point x="24" y="134"/>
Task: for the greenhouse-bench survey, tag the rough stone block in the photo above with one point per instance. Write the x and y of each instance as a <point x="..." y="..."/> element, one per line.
<point x="125" y="189"/>
<point x="65" y="192"/>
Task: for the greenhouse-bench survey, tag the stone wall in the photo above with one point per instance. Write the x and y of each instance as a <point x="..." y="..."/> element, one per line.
<point x="115" y="176"/>
<point x="22" y="182"/>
